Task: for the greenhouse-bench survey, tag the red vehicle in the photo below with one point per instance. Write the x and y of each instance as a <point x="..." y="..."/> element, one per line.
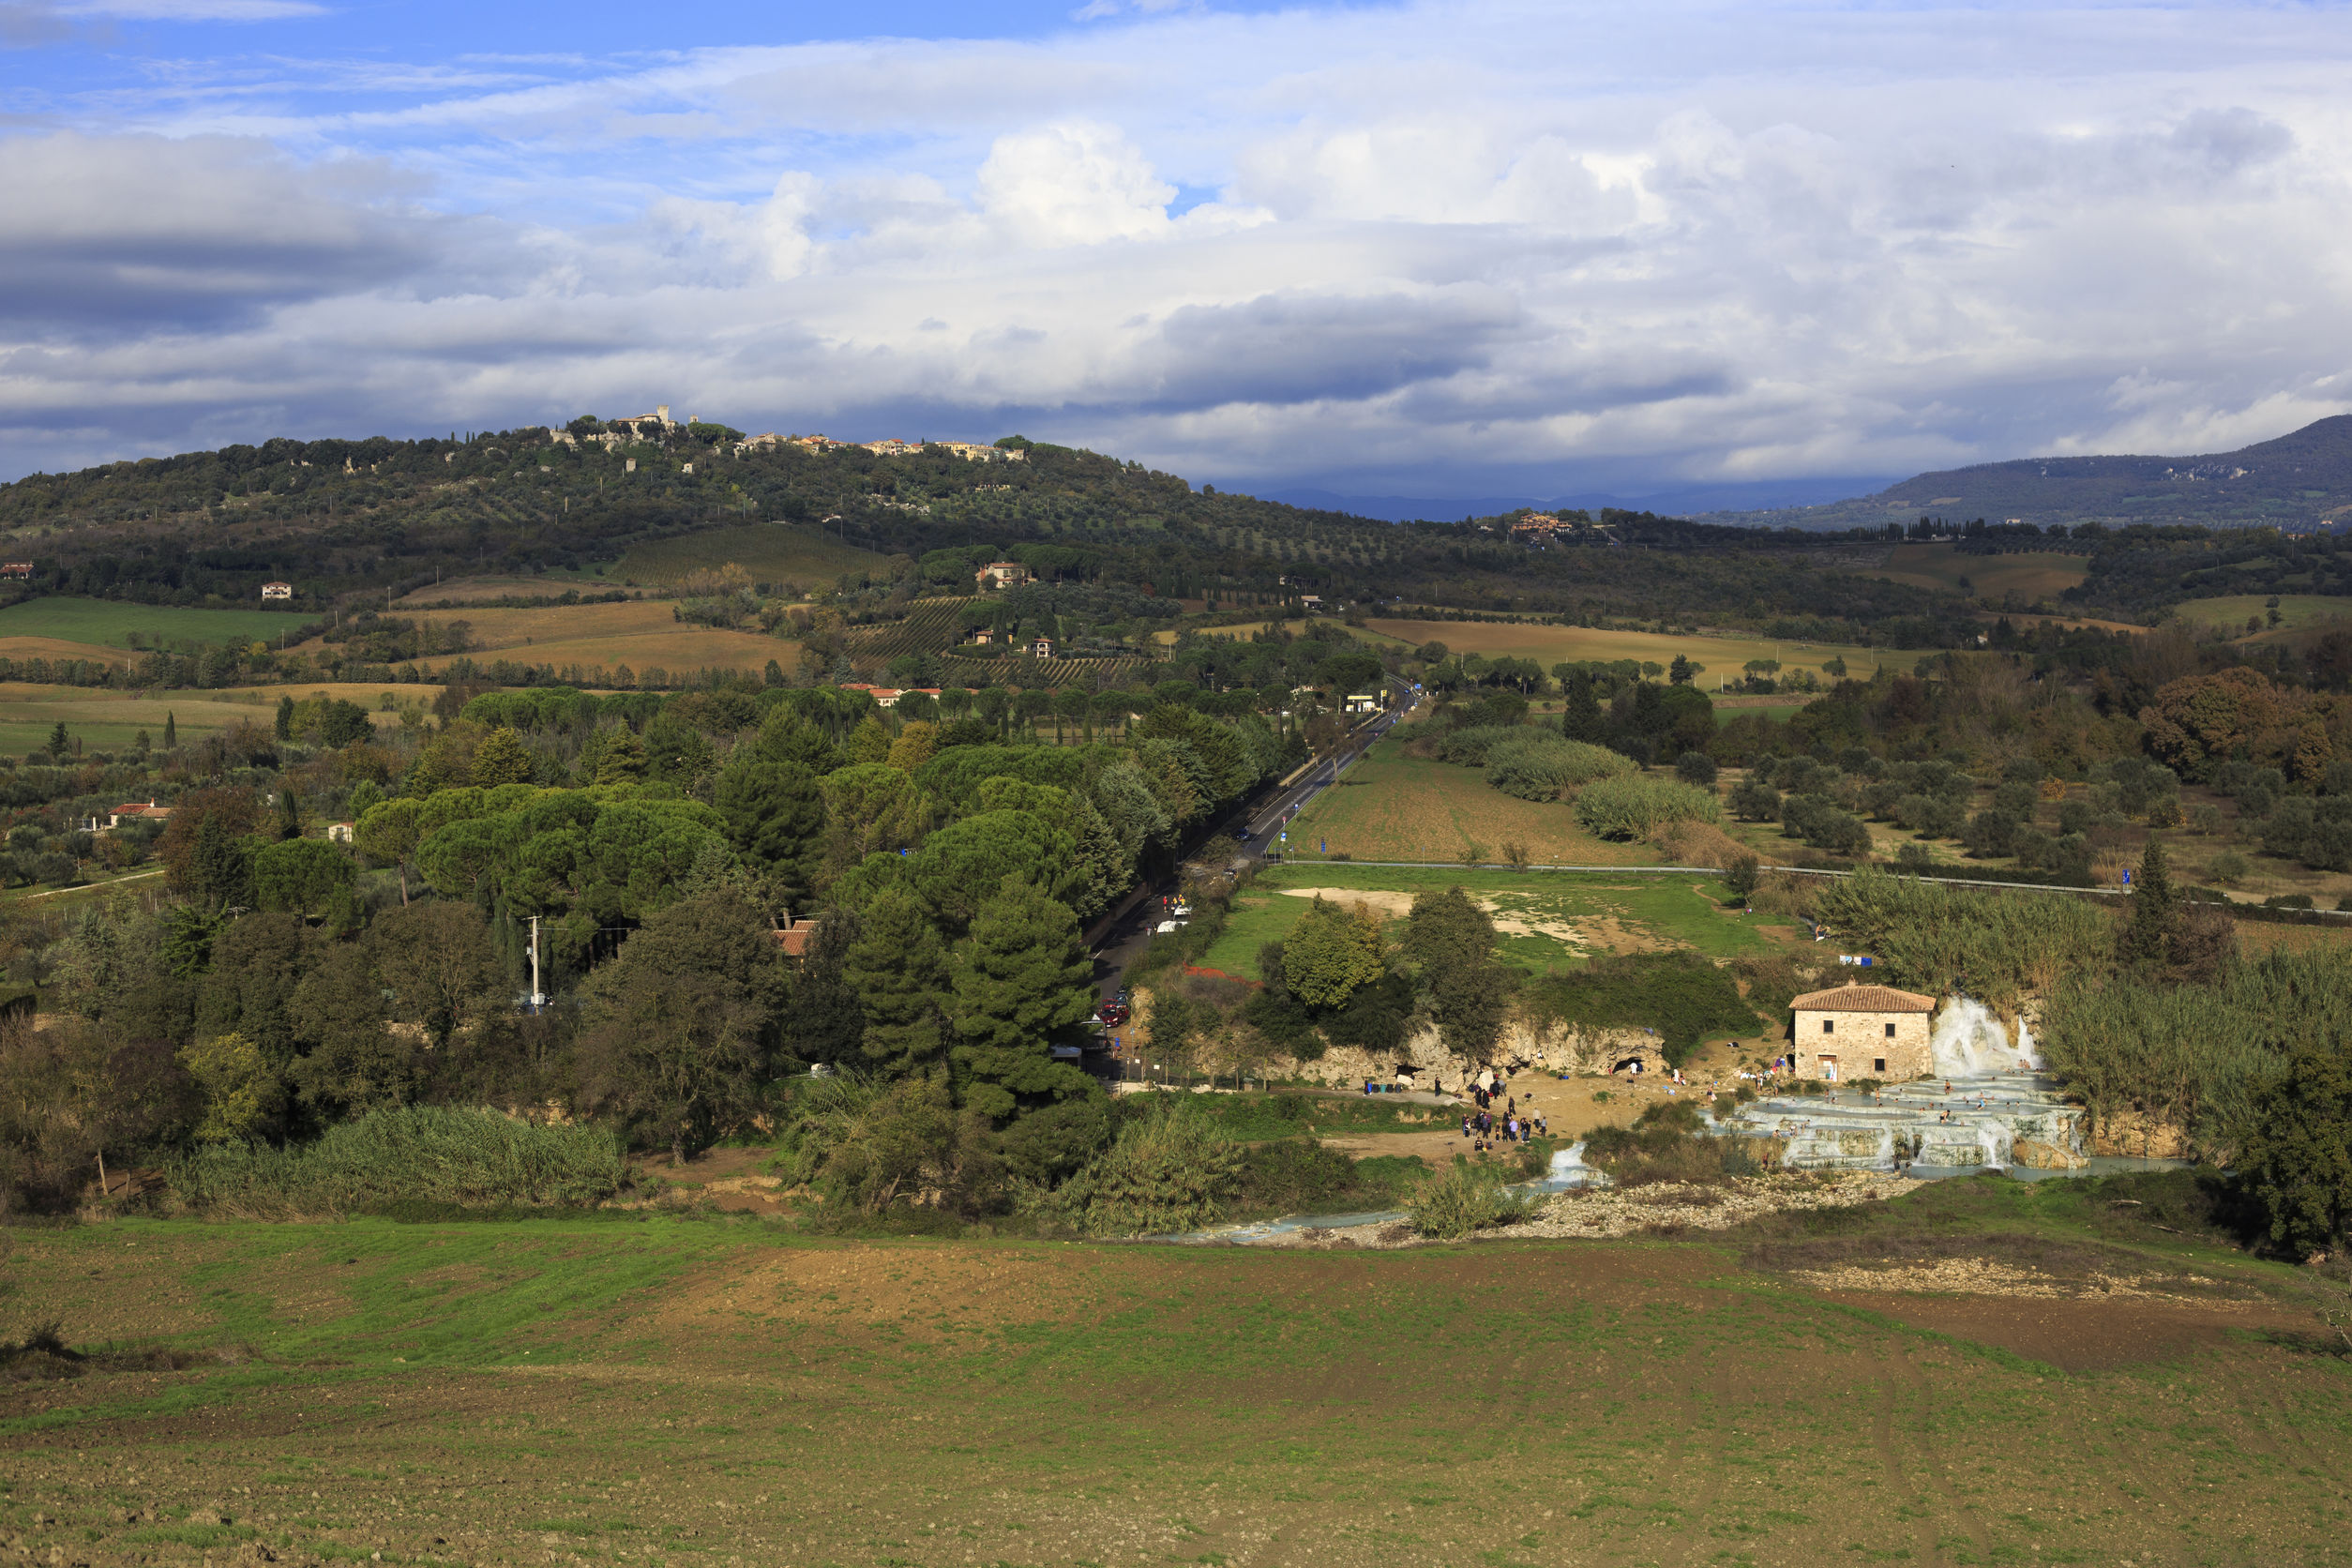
<point x="1112" y="1013"/>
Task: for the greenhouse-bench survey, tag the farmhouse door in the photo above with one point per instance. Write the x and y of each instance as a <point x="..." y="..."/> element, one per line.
<point x="1829" y="1068"/>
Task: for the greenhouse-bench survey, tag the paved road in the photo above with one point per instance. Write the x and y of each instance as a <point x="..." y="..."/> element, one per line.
<point x="1129" y="932"/>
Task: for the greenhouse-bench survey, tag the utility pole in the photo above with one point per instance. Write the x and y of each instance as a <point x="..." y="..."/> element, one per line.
<point x="538" y="997"/>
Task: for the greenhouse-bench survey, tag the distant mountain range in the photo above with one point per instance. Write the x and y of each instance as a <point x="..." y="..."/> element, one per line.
<point x="1674" y="501"/>
<point x="2299" y="481"/>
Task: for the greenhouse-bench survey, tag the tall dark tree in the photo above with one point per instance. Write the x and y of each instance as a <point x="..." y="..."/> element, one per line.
<point x="1022" y="984"/>
<point x="2298" y="1155"/>
<point x="898" y="967"/>
<point x="827" y="1022"/>
<point x="1452" y="943"/>
<point x="1581" y="717"/>
<point x="2147" y="936"/>
<point x="776" y="818"/>
<point x="681" y="1028"/>
<point x="440" y="964"/>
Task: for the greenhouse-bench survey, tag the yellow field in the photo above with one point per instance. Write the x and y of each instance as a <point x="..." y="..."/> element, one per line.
<point x="774" y="552"/>
<point x="2034" y="575"/>
<point x="2297" y="612"/>
<point x="642" y="634"/>
<point x="2073" y="623"/>
<point x="1392" y="807"/>
<point x="464" y="588"/>
<point x="1722" y="657"/>
<point x="55" y="648"/>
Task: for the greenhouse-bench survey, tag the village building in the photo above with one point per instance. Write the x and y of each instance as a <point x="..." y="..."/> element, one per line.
<point x="277" y="589"/>
<point x="1001" y="574"/>
<point x="1857" y="1032"/>
<point x="16" y="568"/>
<point x="1042" y="648"/>
<point x="339" y="833"/>
<point x="133" y="811"/>
<point x="792" y="937"/>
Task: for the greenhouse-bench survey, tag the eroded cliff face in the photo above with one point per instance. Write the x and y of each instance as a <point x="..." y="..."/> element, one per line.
<point x="1553" y="1047"/>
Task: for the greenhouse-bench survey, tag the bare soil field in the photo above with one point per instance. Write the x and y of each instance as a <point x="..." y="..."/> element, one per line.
<point x="712" y="1391"/>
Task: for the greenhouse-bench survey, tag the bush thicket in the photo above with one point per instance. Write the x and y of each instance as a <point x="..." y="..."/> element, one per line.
<point x="432" y="1153"/>
<point x="1634" y="806"/>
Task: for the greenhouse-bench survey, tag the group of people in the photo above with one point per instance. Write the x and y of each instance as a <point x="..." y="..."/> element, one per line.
<point x="1486" y="1131"/>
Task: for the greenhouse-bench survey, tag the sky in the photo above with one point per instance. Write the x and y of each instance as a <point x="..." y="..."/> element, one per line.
<point x="1775" y="250"/>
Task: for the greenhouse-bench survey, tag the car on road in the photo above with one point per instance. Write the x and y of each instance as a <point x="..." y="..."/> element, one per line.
<point x="1165" y="927"/>
<point x="1182" y="911"/>
<point x="1113" y="1013"/>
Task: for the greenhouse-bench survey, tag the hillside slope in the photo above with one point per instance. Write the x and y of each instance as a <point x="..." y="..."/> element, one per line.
<point x="346" y="519"/>
<point x="2298" y="481"/>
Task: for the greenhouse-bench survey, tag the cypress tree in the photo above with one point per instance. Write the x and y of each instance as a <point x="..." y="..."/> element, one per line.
<point x="2147" y="939"/>
<point x="1581" y="717"/>
<point x="171" y="731"/>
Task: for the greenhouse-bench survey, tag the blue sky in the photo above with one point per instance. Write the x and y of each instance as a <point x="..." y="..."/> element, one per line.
<point x="1439" y="249"/>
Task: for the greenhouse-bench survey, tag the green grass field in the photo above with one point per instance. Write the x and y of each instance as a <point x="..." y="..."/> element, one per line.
<point x="111" y="720"/>
<point x="672" y="1391"/>
<point x="1546" y="919"/>
<point x="1392" y="807"/>
<point x="2297" y="612"/>
<point x="1777" y="713"/>
<point x="2032" y="575"/>
<point x="776" y="553"/>
<point x="109" y="623"/>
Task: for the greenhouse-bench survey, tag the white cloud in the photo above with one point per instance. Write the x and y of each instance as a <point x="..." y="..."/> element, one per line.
<point x="1479" y="244"/>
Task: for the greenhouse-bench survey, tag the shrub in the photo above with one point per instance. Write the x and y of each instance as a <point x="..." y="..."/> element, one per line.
<point x="868" y="1145"/>
<point x="1537" y="764"/>
<point x="432" y="1153"/>
<point x="1465" y="1198"/>
<point x="1753" y="800"/>
<point x="1681" y="995"/>
<point x="1696" y="768"/>
<point x="1668" y="1143"/>
<point x="2202" y="1056"/>
<point x="1468" y="746"/>
<point x="1930" y="937"/>
<point x="1632" y="805"/>
<point x="1169" y="1171"/>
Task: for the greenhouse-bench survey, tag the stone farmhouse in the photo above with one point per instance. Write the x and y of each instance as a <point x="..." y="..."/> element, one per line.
<point x="1001" y="574"/>
<point x="1856" y="1032"/>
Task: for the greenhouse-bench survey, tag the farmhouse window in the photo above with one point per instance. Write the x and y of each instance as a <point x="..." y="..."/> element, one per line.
<point x="1829" y="1026"/>
<point x="1890" y="1031"/>
<point x="1880" y="1065"/>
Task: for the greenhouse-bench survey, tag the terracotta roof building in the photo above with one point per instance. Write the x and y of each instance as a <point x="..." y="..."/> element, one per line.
<point x="1857" y="1032"/>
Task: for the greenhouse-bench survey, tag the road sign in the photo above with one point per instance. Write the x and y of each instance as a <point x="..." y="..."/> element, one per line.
<point x="2127" y="878"/>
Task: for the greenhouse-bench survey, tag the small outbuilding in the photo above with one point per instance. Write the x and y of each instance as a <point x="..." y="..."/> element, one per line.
<point x="1856" y="1032"/>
